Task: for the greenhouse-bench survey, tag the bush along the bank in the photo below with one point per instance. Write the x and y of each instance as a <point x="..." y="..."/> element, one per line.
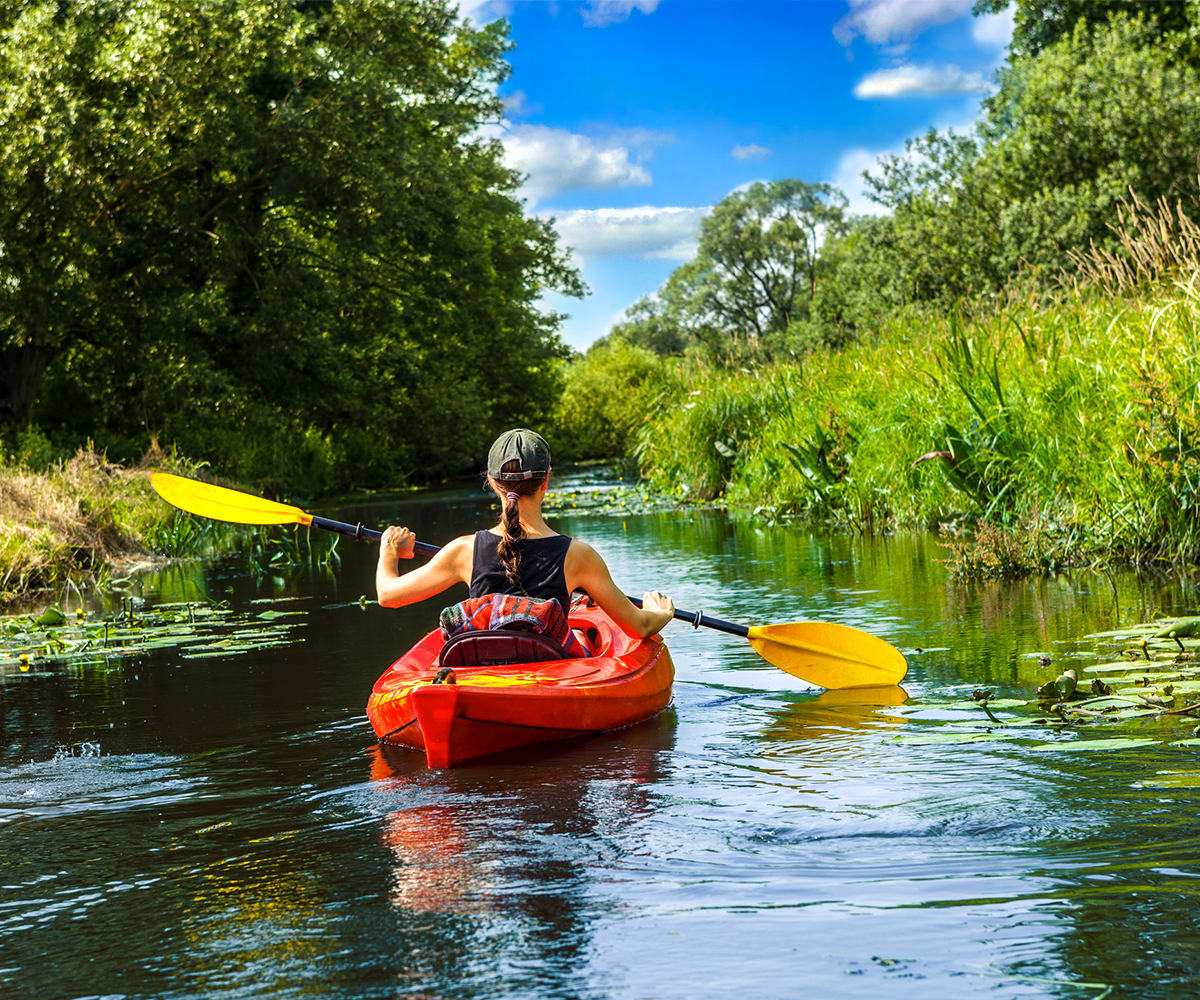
<point x="1036" y="437"/>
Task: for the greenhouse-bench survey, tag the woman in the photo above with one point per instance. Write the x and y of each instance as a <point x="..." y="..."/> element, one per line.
<point x="521" y="555"/>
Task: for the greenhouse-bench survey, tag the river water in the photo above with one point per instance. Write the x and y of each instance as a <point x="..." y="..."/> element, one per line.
<point x="225" y="827"/>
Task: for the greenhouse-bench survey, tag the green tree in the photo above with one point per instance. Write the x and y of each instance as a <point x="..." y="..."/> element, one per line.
<point x="1102" y="111"/>
<point x="757" y="265"/>
<point x="649" y="323"/>
<point x="754" y="281"/>
<point x="265" y="230"/>
<point x="606" y="398"/>
<point x="1038" y="24"/>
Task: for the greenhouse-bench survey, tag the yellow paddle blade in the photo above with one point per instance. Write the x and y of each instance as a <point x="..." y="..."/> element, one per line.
<point x="222" y="504"/>
<point x="830" y="656"/>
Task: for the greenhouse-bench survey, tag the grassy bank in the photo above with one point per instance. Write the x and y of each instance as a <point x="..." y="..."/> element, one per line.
<point x="1034" y="437"/>
<point x="75" y="524"/>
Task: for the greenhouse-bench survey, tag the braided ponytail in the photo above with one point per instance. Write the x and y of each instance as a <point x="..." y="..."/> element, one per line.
<point x="510" y="520"/>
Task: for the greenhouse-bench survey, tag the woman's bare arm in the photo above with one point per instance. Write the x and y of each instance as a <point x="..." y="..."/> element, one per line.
<point x="449" y="566"/>
<point x="584" y="568"/>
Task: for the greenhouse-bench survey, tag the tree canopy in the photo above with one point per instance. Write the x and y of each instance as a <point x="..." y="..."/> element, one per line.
<point x="272" y="233"/>
<point x="1097" y="104"/>
<point x="755" y="275"/>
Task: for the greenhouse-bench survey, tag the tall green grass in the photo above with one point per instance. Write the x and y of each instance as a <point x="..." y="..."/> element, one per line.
<point x="71" y="524"/>
<point x="1034" y="436"/>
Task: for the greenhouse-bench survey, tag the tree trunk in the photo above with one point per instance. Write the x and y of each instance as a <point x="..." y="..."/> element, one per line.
<point x="21" y="371"/>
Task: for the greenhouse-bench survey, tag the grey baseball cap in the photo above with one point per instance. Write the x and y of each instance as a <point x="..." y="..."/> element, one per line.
<point x="521" y="445"/>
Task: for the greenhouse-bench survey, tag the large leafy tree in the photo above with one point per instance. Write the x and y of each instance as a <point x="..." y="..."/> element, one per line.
<point x="755" y="276"/>
<point x="1104" y="111"/>
<point x="1038" y="24"/>
<point x="757" y="265"/>
<point x="267" y="230"/>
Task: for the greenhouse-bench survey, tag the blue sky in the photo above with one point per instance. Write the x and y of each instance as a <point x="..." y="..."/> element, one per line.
<point x="631" y="118"/>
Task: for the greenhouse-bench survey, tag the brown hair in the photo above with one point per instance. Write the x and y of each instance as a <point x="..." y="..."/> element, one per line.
<point x="510" y="518"/>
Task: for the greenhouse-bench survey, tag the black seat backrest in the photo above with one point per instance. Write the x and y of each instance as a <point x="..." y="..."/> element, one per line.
<point x="499" y="646"/>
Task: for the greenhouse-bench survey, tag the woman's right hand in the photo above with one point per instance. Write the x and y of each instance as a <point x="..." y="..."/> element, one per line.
<point x="398" y="542"/>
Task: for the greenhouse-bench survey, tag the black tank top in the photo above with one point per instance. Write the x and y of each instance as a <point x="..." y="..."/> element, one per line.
<point x="541" y="568"/>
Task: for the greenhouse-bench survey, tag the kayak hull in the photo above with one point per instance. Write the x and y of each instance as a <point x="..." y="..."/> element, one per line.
<point x="492" y="707"/>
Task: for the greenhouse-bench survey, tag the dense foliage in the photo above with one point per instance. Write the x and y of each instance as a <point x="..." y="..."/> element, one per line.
<point x="1015" y="340"/>
<point x="1055" y="433"/>
<point x="269" y="233"/>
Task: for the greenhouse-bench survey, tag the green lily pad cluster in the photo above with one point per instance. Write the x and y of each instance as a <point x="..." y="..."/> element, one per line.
<point x="1155" y="672"/>
<point x="197" y="629"/>
<point x="606" y="498"/>
<point x="1152" y="682"/>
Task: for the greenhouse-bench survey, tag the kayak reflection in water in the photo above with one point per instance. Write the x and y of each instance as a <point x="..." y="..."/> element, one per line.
<point x="519" y="556"/>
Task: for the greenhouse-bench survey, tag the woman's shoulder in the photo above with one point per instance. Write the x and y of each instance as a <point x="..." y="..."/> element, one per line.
<point x="580" y="552"/>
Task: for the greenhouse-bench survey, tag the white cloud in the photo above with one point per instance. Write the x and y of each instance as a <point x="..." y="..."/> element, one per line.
<point x="654" y="233"/>
<point x="602" y="13"/>
<point x="887" y="22"/>
<point x="483" y="11"/>
<point x="848" y="178"/>
<point x="920" y="81"/>
<point x="518" y="105"/>
<point x="750" y="152"/>
<point x="995" y="30"/>
<point x="556" y="160"/>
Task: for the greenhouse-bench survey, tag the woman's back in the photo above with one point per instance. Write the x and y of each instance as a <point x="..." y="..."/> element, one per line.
<point x="540" y="562"/>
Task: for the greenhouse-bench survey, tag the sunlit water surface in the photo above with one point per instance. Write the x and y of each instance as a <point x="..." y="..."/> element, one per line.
<point x="226" y="828"/>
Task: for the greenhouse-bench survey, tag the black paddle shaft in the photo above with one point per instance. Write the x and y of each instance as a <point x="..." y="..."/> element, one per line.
<point x="363" y="534"/>
<point x="697" y="619"/>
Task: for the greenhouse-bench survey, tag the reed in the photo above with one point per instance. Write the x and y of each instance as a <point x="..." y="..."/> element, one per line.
<point x="1033" y="436"/>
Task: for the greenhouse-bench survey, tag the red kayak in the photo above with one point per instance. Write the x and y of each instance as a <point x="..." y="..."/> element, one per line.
<point x="483" y="692"/>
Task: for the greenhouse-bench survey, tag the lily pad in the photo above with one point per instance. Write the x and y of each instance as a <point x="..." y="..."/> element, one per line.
<point x="931" y="739"/>
<point x="1076" y="746"/>
<point x="93" y="640"/>
<point x="1130" y="666"/>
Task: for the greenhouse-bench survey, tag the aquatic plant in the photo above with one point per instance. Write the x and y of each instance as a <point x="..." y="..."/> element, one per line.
<point x="1144" y="691"/>
<point x="197" y="630"/>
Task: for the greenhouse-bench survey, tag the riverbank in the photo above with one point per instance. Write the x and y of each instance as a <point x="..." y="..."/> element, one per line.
<point x="1032" y="438"/>
<point x="78" y="523"/>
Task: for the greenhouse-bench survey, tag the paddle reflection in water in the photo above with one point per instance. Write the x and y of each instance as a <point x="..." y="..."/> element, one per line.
<point x="843" y="716"/>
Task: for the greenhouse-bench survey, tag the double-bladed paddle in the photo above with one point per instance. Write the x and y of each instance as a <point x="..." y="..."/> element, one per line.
<point x="822" y="653"/>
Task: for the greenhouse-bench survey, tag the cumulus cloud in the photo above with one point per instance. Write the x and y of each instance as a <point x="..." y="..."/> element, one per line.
<point x="848" y="178"/>
<point x="995" y="30"/>
<point x="483" y="11"/>
<point x="888" y="22"/>
<point x="602" y="13"/>
<point x="920" y="81"/>
<point x="518" y="105"/>
<point x="556" y="160"/>
<point x="750" y="152"/>
<point x="654" y="233"/>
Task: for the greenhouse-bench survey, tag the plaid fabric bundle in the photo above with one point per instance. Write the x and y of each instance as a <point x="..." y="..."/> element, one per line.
<point x="507" y="611"/>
